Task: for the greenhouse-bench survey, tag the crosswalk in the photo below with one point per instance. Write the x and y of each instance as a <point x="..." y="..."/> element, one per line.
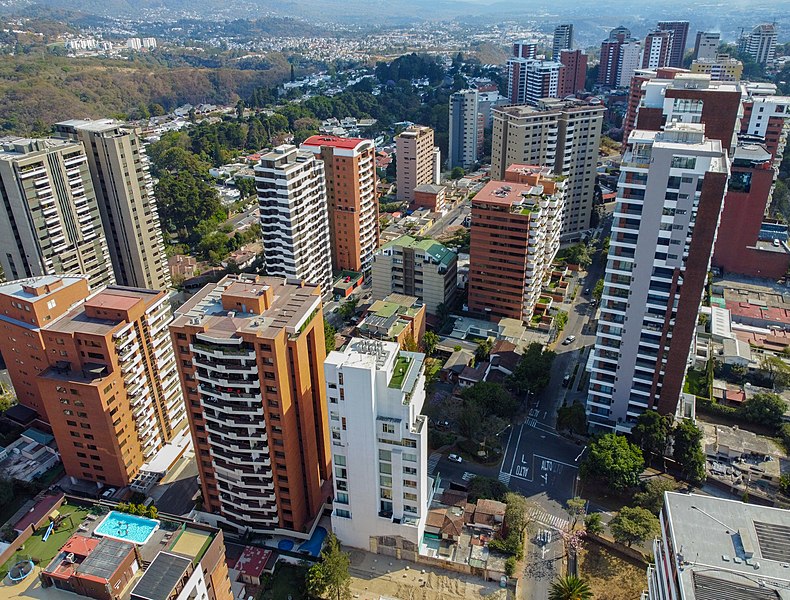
<point x="504" y="477"/>
<point x="433" y="460"/>
<point x="467" y="476"/>
<point x="549" y="520"/>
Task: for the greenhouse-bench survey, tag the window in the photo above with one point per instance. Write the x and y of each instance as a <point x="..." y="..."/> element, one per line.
<point x="684" y="162"/>
<point x="407" y="457"/>
<point x="342" y="498"/>
<point x="409" y="471"/>
<point x="385" y="480"/>
<point x="409" y="483"/>
<point x="340" y="460"/>
<point x="409" y="508"/>
<point x="410" y="496"/>
<point x="342" y="485"/>
<point x="341" y="472"/>
<point x="388" y="428"/>
<point x="385" y="454"/>
<point x="386" y="493"/>
<point x="385" y="468"/>
<point x="343" y="513"/>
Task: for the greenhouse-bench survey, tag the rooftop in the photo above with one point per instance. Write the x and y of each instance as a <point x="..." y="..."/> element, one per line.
<point x="438" y="252"/>
<point x="728" y="549"/>
<point x="334" y="141"/>
<point x="161" y="577"/>
<point x="510" y="194"/>
<point x="292" y="303"/>
<point x="35" y="289"/>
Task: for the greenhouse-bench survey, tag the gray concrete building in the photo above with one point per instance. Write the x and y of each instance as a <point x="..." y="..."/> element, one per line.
<point x="425" y="269"/>
<point x="49" y="218"/>
<point x="125" y="194"/>
<point x="561" y="134"/>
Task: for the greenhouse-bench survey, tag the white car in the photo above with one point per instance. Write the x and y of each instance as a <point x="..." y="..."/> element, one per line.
<point x="455" y="458"/>
<point x="108" y="493"/>
<point x="569" y="340"/>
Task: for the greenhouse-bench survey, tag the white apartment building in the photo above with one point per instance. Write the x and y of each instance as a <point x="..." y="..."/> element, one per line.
<point x="711" y="548"/>
<point x="666" y="179"/>
<point x="294" y="216"/>
<point x="706" y="46"/>
<point x="463" y="129"/>
<point x="375" y="393"/>
<point x="50" y="222"/>
<point x="760" y="44"/>
<point x="563" y="135"/>
<point x="629" y="61"/>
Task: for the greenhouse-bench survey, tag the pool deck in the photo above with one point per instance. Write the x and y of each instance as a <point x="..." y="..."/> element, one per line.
<point x="157" y="542"/>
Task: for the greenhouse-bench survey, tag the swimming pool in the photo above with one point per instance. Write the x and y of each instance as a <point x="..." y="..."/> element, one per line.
<point x="315" y="543"/>
<point x="127" y="528"/>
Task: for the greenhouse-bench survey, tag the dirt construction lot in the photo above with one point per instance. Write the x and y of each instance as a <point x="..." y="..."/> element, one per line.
<point x="374" y="577"/>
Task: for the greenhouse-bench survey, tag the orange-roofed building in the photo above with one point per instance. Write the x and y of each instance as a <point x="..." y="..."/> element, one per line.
<point x="350" y="171"/>
<point x="93" y="568"/>
<point x="515" y="235"/>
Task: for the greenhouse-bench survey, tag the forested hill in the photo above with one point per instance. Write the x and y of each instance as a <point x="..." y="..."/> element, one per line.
<point x="41" y="89"/>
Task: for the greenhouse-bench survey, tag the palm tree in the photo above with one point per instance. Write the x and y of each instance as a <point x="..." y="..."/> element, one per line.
<point x="570" y="587"/>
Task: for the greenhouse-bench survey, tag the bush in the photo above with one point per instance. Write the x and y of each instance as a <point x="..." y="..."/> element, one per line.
<point x="510" y="566"/>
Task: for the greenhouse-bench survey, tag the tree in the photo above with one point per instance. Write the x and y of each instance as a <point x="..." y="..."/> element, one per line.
<point x="561" y="320"/>
<point x="329" y="336"/>
<point x="778" y="370"/>
<point x="784" y="484"/>
<point x="575" y="507"/>
<point x="483" y="350"/>
<point x="687" y="451"/>
<point x="598" y="290"/>
<point x="634" y="524"/>
<point x="652" y="432"/>
<point x="652" y="495"/>
<point x="578" y="254"/>
<point x="6" y="491"/>
<point x="764" y="409"/>
<point x="491" y="398"/>
<point x="570" y="587"/>
<point x="533" y="371"/>
<point x="429" y="342"/>
<point x="331" y="577"/>
<point x="348" y="308"/>
<point x="593" y="524"/>
<point x="510" y="566"/>
<point x="486" y="488"/>
<point x="614" y="460"/>
<point x="456" y="173"/>
<point x="572" y="418"/>
<point x="409" y="343"/>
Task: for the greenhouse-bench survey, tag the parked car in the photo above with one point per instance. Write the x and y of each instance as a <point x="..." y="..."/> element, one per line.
<point x="108" y="493"/>
<point x="569" y="340"/>
<point x="566" y="380"/>
<point x="455" y="458"/>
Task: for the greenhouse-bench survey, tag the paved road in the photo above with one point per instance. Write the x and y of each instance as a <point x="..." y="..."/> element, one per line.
<point x="542" y="564"/>
<point x="454" y="218"/>
<point x="176" y="496"/>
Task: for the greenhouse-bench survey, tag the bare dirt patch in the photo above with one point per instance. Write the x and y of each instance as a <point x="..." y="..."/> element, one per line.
<point x="610" y="576"/>
<point x="374" y="576"/>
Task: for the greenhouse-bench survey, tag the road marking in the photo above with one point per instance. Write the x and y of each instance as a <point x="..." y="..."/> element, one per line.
<point x="467" y="476"/>
<point x="532" y="423"/>
<point x="557" y="461"/>
<point x="548" y="519"/>
<point x="515" y="450"/>
<point x="504" y="478"/>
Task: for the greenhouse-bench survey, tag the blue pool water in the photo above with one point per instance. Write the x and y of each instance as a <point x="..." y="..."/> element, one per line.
<point x="314" y="544"/>
<point x="128" y="528"/>
<point x="285" y="545"/>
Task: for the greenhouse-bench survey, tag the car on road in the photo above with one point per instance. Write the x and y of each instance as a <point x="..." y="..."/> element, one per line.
<point x="569" y="340"/>
<point x="566" y="380"/>
<point x="455" y="458"/>
<point x="587" y="292"/>
<point x="334" y="310"/>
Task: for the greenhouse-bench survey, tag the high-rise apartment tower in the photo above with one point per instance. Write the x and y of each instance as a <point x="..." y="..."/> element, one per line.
<point x="350" y="171"/>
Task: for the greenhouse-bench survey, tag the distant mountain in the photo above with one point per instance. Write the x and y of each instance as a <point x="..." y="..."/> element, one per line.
<point x="710" y="14"/>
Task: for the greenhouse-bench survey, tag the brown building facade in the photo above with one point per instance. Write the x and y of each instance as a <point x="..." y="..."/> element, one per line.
<point x="250" y="354"/>
<point x="26" y="307"/>
<point x="111" y="389"/>
<point x="350" y="171"/>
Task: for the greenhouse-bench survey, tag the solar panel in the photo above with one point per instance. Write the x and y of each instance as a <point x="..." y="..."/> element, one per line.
<point x="774" y="541"/>
<point x="715" y="588"/>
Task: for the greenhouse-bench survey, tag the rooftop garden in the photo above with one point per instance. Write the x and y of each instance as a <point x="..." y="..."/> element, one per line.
<point x="399" y="374"/>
